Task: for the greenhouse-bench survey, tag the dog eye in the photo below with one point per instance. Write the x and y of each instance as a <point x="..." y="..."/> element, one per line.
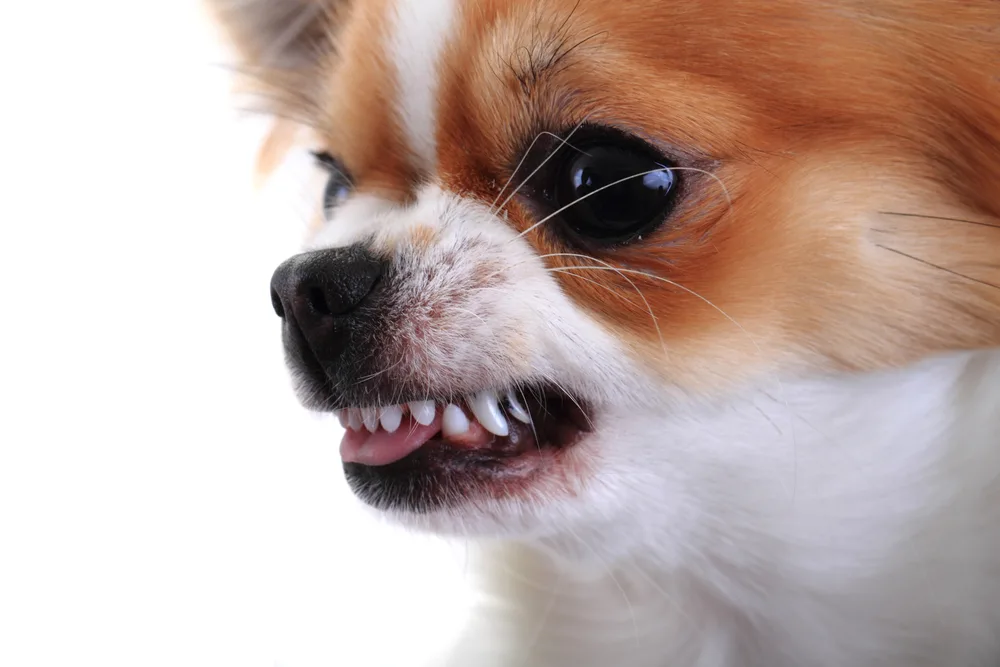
<point x="611" y="189"/>
<point x="338" y="185"/>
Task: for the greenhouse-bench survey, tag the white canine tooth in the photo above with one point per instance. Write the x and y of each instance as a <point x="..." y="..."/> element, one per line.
<point x="370" y="417"/>
<point x="354" y="419"/>
<point x="486" y="406"/>
<point x="423" y="412"/>
<point x="454" y="421"/>
<point x="342" y="417"/>
<point x="391" y="418"/>
<point x="516" y="410"/>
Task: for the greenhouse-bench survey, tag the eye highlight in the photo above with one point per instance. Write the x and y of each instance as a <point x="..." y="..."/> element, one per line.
<point x="338" y="185"/>
<point x="608" y="187"/>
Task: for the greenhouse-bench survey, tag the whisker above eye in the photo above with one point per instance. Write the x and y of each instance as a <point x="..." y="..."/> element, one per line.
<point x="938" y="267"/>
<point x="651" y="276"/>
<point x="621" y="272"/>
<point x="939" y="217"/>
<point x="562" y="142"/>
<point x="729" y="200"/>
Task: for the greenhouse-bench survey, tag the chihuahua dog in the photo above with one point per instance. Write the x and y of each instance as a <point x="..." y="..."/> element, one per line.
<point x="688" y="312"/>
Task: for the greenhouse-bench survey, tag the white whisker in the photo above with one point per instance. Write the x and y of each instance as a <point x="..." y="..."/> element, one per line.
<point x="752" y="340"/>
<point x="568" y="395"/>
<point x="638" y="291"/>
<point x="669" y="282"/>
<point x="563" y="142"/>
<point x="541" y="222"/>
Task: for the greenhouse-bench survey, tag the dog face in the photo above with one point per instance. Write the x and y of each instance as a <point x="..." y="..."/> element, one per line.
<point x="551" y="228"/>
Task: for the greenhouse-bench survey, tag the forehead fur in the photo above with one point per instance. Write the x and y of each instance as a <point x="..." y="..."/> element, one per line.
<point x="839" y="160"/>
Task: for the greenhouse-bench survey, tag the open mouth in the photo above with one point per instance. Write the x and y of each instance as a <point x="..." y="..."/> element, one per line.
<point x="484" y="427"/>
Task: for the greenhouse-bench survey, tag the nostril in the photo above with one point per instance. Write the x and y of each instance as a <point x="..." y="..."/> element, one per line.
<point x="279" y="310"/>
<point x="311" y="288"/>
<point x="318" y="302"/>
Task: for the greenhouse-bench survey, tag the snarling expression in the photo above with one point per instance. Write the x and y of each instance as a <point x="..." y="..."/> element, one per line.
<point x="550" y="228"/>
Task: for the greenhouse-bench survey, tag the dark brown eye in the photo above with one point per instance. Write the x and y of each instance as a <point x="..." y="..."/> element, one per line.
<point x="338" y="185"/>
<point x="607" y="187"/>
<point x="619" y="192"/>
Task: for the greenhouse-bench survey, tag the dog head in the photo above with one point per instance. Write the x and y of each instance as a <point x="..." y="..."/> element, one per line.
<point x="552" y="227"/>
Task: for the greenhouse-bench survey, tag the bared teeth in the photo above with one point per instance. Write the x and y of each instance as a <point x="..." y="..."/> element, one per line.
<point x="486" y="406"/>
<point x="516" y="410"/>
<point x="423" y="412"/>
<point x="489" y="411"/>
<point x="391" y="418"/>
<point x="370" y="418"/>
<point x="454" y="422"/>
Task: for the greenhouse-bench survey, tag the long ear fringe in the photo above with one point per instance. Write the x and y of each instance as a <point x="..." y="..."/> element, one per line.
<point x="278" y="34"/>
<point x="282" y="47"/>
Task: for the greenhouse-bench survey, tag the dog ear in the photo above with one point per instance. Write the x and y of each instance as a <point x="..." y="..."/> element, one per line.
<point x="282" y="45"/>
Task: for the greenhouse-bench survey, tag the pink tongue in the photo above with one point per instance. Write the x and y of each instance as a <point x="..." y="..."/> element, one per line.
<point x="382" y="448"/>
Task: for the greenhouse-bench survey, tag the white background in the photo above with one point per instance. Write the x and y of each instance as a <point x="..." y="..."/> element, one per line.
<point x="163" y="498"/>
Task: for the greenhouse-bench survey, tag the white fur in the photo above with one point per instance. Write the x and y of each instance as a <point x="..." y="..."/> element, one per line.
<point x="487" y="331"/>
<point x="833" y="521"/>
<point x="719" y="537"/>
<point x="420" y="30"/>
<point x="808" y="522"/>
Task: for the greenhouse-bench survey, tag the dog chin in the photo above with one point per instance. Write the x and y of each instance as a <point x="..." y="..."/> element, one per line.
<point x="575" y="488"/>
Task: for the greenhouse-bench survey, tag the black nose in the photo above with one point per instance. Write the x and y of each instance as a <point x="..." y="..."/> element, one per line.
<point x="316" y="293"/>
<point x="318" y="285"/>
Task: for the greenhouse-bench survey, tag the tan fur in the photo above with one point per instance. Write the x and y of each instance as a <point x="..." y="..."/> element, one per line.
<point x="839" y="116"/>
<point x="823" y="121"/>
<point x="359" y="122"/>
<point x="423" y="237"/>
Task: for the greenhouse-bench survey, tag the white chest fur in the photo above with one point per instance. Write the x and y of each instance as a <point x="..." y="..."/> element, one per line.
<point x="851" y="522"/>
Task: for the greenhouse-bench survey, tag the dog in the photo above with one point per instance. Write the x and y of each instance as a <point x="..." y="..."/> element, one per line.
<point x="687" y="313"/>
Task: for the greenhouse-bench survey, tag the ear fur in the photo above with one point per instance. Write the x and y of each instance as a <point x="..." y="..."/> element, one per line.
<point x="282" y="45"/>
